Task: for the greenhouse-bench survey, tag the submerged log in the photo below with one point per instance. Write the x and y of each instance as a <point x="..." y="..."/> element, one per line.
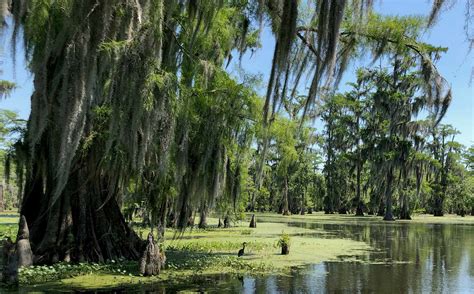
<point x="152" y="260"/>
<point x="253" y="222"/>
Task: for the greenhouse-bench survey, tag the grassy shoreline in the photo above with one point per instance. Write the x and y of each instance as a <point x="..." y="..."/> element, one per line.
<point x="320" y="217"/>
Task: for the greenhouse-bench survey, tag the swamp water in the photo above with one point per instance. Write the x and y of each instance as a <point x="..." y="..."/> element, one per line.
<point x="407" y="258"/>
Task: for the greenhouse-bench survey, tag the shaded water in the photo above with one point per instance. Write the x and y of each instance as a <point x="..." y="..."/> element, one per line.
<point x="409" y="258"/>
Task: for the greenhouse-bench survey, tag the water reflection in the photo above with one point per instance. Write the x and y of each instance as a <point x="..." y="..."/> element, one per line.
<point x="410" y="258"/>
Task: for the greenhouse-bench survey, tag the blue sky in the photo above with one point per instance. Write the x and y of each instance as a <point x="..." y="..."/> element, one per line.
<point x="455" y="65"/>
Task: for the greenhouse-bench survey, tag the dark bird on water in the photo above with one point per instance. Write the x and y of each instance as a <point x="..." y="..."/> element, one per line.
<point x="242" y="251"/>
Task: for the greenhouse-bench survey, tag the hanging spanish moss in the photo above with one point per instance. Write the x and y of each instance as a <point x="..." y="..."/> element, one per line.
<point x="435" y="11"/>
<point x="117" y="88"/>
<point x="131" y="101"/>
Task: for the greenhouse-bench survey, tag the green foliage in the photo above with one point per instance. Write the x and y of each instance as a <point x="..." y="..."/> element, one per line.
<point x="284" y="240"/>
<point x="139" y="97"/>
<point x="8" y="231"/>
<point x="45" y="273"/>
<point x="5" y="88"/>
<point x="468" y="157"/>
<point x="11" y="128"/>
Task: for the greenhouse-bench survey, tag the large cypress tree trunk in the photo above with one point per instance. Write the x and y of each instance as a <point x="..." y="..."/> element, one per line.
<point x="80" y="157"/>
<point x="404" y="206"/>
<point x="439" y="199"/>
<point x="381" y="208"/>
<point x="83" y="224"/>
<point x="438" y="207"/>
<point x="359" y="208"/>
<point x="253" y="222"/>
<point x="203" y="216"/>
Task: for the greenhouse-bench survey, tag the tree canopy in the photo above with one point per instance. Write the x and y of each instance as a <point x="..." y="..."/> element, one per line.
<point x="133" y="111"/>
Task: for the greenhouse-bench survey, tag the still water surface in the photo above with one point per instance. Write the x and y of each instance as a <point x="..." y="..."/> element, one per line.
<point x="408" y="258"/>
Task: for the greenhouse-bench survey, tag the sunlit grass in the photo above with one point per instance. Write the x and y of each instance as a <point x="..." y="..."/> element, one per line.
<point x="8" y="217"/>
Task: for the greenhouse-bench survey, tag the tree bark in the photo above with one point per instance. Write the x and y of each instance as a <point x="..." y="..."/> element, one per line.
<point x="252" y="203"/>
<point x="285" y="250"/>
<point x="404" y="207"/>
<point x="253" y="222"/>
<point x="161" y="226"/>
<point x="70" y="194"/>
<point x="152" y="259"/>
<point x="388" y="197"/>
<point x="359" y="209"/>
<point x="16" y="255"/>
<point x="83" y="224"/>
<point x="203" y="218"/>
<point x="438" y="206"/>
<point x="2" y="200"/>
<point x="220" y="225"/>
<point x="342" y="210"/>
<point x="10" y="263"/>
<point x="226" y="222"/>
<point x="328" y="201"/>
<point x="23" y="248"/>
<point x="286" y="210"/>
<point x="381" y="209"/>
<point x="190" y="221"/>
